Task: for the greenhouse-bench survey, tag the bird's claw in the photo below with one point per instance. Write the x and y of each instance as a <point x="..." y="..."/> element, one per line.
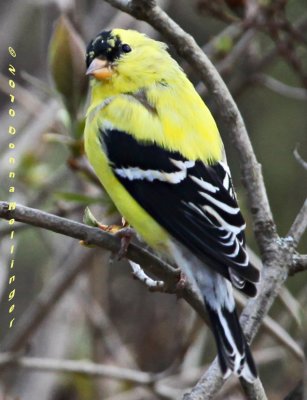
<point x="110" y="228"/>
<point x="113" y="228"/>
<point x="181" y="284"/>
<point x="125" y="234"/>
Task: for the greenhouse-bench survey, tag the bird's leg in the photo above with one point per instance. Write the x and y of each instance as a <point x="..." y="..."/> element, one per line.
<point x="181" y="284"/>
<point x="126" y="235"/>
<point x="124" y="232"/>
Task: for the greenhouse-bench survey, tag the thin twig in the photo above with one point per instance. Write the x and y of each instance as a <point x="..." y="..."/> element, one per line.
<point x="291" y="303"/>
<point x="28" y="101"/>
<point x="286" y="297"/>
<point x="94" y="236"/>
<point x="299" y="263"/>
<point x="281" y="88"/>
<point x="81" y="367"/>
<point x="79" y="260"/>
<point x="105" y="328"/>
<point x="299" y="225"/>
<point x="299" y="159"/>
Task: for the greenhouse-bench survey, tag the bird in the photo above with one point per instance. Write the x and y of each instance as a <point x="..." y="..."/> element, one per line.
<point x="157" y="151"/>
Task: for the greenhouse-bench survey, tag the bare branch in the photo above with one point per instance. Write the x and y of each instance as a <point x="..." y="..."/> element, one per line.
<point x="299" y="159"/>
<point x="254" y="392"/>
<point x="105" y="328"/>
<point x="277" y="331"/>
<point x="94" y="236"/>
<point x="81" y="367"/>
<point x="299" y="225"/>
<point x="29" y="101"/>
<point x="208" y="385"/>
<point x="47" y="299"/>
<point x="238" y="51"/>
<point x="281" y="88"/>
<point x="291" y="303"/>
<point x="299" y="264"/>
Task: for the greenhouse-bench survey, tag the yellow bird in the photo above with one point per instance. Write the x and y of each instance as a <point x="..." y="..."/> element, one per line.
<point x="156" y="149"/>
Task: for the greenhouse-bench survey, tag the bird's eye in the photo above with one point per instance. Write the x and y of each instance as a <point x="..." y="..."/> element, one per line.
<point x="126" y="48"/>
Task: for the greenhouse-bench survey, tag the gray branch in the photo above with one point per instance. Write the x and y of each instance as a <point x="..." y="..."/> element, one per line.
<point x="281" y="88"/>
<point x="299" y="158"/>
<point x="299" y="263"/>
<point x="299" y="225"/>
<point x="80" y="367"/>
<point x="90" y="235"/>
<point x="95" y="236"/>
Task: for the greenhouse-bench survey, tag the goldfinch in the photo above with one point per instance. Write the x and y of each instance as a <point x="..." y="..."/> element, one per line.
<point x="156" y="149"/>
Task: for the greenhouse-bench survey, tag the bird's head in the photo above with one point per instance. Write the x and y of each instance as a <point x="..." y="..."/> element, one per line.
<point x="127" y="59"/>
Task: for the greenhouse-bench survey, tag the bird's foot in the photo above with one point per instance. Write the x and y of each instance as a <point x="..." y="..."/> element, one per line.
<point x="109" y="228"/>
<point x="114" y="229"/>
<point x="125" y="234"/>
<point x="181" y="284"/>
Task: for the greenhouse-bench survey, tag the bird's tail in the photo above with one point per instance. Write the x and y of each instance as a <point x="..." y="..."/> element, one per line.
<point x="233" y="350"/>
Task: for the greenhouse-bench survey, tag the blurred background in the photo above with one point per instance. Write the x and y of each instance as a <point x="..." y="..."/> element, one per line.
<point x="71" y="302"/>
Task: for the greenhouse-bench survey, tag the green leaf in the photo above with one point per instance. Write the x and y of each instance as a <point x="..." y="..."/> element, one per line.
<point x="77" y="198"/>
<point x="89" y="219"/>
<point x="67" y="65"/>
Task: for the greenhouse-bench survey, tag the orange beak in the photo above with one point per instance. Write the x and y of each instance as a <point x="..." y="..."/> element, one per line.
<point x="100" y="69"/>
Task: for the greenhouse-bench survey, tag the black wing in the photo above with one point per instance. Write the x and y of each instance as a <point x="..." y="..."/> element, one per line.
<point x="194" y="202"/>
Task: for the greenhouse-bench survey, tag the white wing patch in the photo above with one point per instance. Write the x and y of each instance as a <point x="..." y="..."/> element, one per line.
<point x="234" y="229"/>
<point x="222" y="206"/>
<point x="136" y="173"/>
<point x="205" y="185"/>
<point x="227" y="180"/>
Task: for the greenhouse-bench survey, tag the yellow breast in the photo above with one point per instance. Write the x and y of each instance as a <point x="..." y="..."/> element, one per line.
<point x="143" y="223"/>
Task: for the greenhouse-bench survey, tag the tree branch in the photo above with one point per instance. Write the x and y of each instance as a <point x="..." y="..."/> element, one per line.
<point x="299" y="264"/>
<point x="94" y="236"/>
<point x="299" y="159"/>
<point x="299" y="225"/>
<point x="90" y="235"/>
<point x="281" y="88"/>
<point x="81" y="367"/>
<point x="47" y="299"/>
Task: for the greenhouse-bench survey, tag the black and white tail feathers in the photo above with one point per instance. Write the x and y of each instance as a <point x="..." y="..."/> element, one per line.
<point x="233" y="350"/>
